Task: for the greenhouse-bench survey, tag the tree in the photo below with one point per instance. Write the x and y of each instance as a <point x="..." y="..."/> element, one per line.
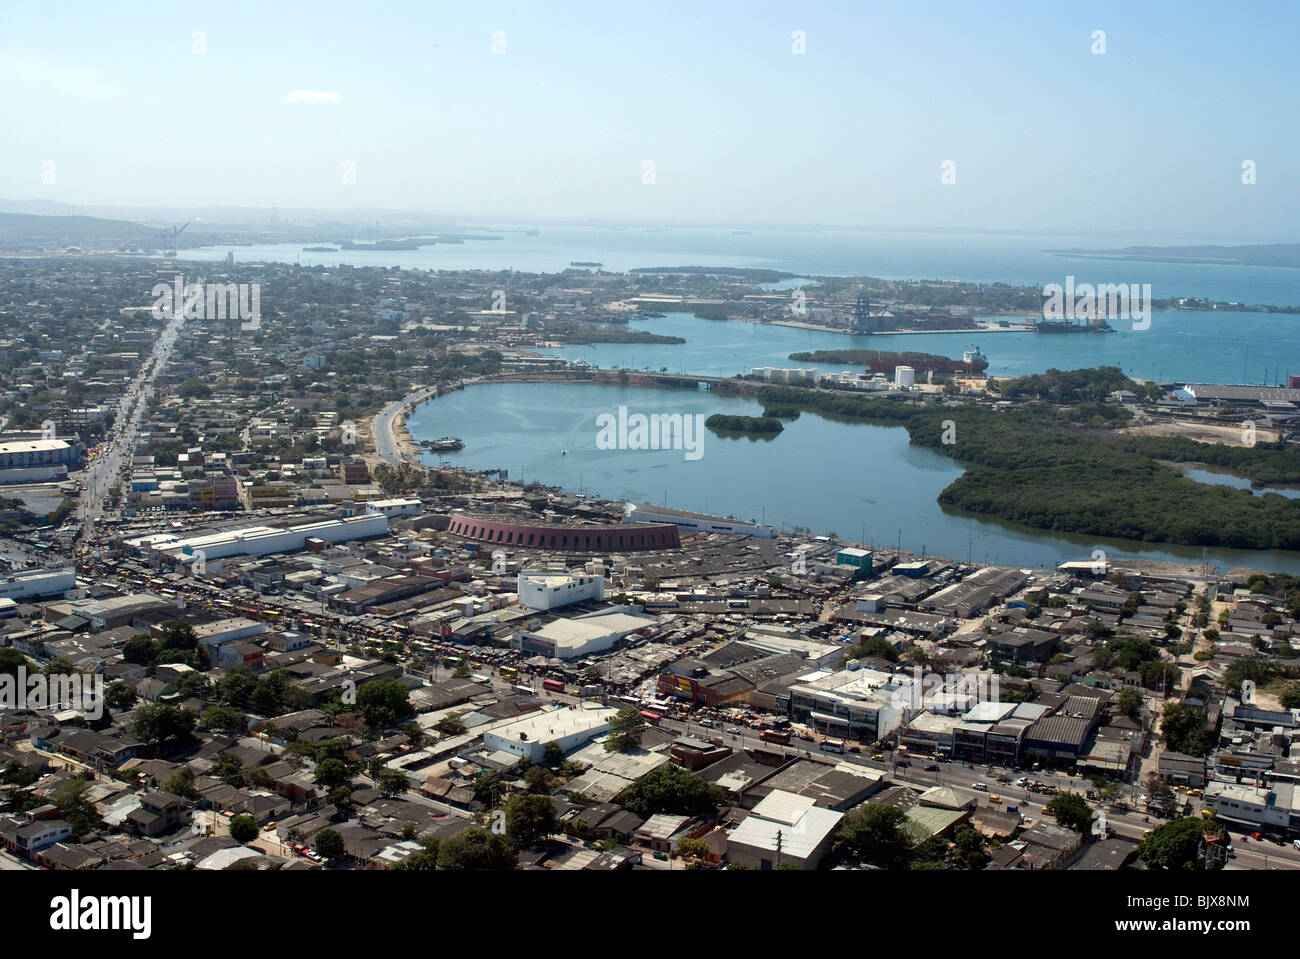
<point x="1174" y="845"/>
<point x="1290" y="696"/>
<point x="1072" y="811"/>
<point x="553" y="754"/>
<point x="228" y="768"/>
<point x="693" y="848"/>
<point x="223" y="718"/>
<point x="382" y="702"/>
<point x="158" y="724"/>
<point x="874" y="833"/>
<point x="180" y="783"/>
<point x="452" y="725"/>
<point x="329" y="843"/>
<point x="969" y="847"/>
<point x="1129" y="702"/>
<point x="392" y="782"/>
<point x="332" y="773"/>
<point x="139" y="650"/>
<point x="530" y="817"/>
<point x="75" y="808"/>
<point x="119" y="695"/>
<point x="243" y="829"/>
<point x="475" y="850"/>
<point x="626" y="729"/>
<point x="1184" y="729"/>
<point x="671" y="789"/>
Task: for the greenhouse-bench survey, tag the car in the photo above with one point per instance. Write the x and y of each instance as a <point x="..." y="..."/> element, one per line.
<point x="1296" y="843"/>
<point x="1257" y="835"/>
<point x="706" y="723"/>
<point x="982" y="787"/>
<point x="931" y="767"/>
<point x="877" y="756"/>
<point x="733" y="730"/>
<point x="995" y="800"/>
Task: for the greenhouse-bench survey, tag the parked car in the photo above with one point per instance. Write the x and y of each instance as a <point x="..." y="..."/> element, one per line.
<point x="982" y="787"/>
<point x="931" y="767"/>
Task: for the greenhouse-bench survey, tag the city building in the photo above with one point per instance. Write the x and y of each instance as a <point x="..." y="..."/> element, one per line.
<point x="542" y="590"/>
<point x="570" y="728"/>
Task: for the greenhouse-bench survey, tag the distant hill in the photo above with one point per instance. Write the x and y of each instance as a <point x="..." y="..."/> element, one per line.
<point x="1270" y="254"/>
<point x="23" y="229"/>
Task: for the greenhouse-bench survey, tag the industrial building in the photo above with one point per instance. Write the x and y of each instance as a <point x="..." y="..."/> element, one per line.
<point x="783" y="829"/>
<point x="542" y="590"/>
<point x="577" y="539"/>
<point x="37" y="582"/>
<point x="528" y="736"/>
<point x="582" y="635"/>
<point x="648" y="513"/>
<point x="261" y="540"/>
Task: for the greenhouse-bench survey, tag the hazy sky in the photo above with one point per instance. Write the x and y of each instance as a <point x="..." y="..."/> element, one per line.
<point x="274" y="99"/>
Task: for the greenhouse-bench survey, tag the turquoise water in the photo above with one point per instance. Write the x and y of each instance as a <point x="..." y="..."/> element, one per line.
<point x="1182" y="345"/>
<point x="1020" y="259"/>
<point x="862" y="482"/>
<point x="1216" y="478"/>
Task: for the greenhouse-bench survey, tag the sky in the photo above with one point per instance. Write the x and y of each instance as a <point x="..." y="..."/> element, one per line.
<point x="668" y="112"/>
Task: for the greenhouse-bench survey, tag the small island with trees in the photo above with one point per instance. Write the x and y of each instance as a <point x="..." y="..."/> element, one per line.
<point x="757" y="425"/>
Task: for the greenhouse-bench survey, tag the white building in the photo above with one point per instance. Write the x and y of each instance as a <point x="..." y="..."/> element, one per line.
<point x="648" y="513"/>
<point x="37" y="582"/>
<point x="854" y="703"/>
<point x="1269" y="807"/>
<point x="227" y="630"/>
<point x="582" y="636"/>
<point x="541" y="590"/>
<point x="395" y="507"/>
<point x="261" y="540"/>
<point x="528" y="735"/>
<point x="795" y="824"/>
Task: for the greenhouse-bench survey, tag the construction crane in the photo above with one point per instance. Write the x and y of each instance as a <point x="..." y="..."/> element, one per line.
<point x="169" y="239"/>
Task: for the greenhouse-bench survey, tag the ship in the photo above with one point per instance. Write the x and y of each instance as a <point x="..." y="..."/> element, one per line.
<point x="445" y="444"/>
<point x="1059" y="326"/>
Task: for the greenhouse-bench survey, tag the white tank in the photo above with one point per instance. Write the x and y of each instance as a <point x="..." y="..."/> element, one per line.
<point x="904" y="377"/>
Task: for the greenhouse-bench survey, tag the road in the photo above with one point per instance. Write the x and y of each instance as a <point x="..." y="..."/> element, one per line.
<point x="99" y="477"/>
<point x="381" y="427"/>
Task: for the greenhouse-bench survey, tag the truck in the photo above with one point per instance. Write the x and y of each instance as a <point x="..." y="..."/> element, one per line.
<point x="773" y="736"/>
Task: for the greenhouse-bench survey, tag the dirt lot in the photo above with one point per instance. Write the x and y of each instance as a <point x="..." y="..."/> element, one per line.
<point x="1202" y="432"/>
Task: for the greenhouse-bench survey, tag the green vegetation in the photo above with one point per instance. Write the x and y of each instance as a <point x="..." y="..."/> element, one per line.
<point x="1184" y="729"/>
<point x="720" y="423"/>
<point x="1072" y="811"/>
<point x="628" y="725"/>
<point x="1174" y="845"/>
<point x="671" y="789"/>
<point x="243" y="829"/>
<point x="1028" y="467"/>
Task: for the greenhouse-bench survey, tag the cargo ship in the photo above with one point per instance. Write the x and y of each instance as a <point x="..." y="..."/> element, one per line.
<point x="1059" y="326"/>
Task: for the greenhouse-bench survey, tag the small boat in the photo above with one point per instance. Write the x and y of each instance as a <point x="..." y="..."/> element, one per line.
<point x="564" y="452"/>
<point x="444" y="444"/>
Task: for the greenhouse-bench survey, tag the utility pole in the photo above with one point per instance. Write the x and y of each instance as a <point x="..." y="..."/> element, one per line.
<point x="780" y="842"/>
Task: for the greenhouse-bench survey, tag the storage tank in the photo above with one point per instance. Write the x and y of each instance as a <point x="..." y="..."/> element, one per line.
<point x="904" y="377"/>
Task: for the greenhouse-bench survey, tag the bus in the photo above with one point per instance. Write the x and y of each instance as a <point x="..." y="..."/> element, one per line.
<point x="833" y="745"/>
<point x="525" y="690"/>
<point x="651" y="718"/>
<point x="773" y="736"/>
<point x="509" y="672"/>
<point x="553" y="685"/>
